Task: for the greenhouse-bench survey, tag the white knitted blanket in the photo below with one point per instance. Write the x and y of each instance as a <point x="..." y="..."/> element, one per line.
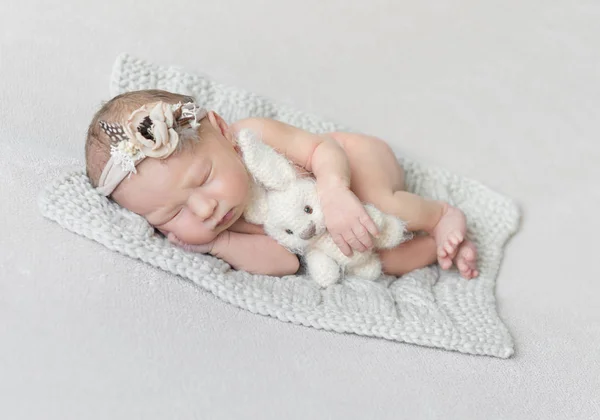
<point x="429" y="307"/>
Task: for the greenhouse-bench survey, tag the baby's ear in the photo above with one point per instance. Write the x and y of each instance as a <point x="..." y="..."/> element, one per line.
<point x="267" y="166"/>
<point x="258" y="208"/>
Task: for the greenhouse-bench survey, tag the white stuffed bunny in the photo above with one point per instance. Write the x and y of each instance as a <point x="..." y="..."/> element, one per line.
<point x="288" y="208"/>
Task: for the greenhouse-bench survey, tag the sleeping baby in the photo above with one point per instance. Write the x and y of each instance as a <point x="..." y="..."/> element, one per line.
<point x="164" y="157"/>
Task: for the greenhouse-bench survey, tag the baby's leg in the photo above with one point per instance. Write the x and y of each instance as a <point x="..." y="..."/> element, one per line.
<point x="416" y="253"/>
<point x="445" y="223"/>
<point x="378" y="178"/>
<point x="422" y="251"/>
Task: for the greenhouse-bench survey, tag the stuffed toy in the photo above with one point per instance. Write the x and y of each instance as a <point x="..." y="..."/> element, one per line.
<point x="287" y="206"/>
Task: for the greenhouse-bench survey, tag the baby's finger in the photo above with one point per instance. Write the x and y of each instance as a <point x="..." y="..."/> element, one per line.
<point x="355" y="243"/>
<point x="363" y="236"/>
<point x="173" y="239"/>
<point x="368" y="223"/>
<point x="342" y="245"/>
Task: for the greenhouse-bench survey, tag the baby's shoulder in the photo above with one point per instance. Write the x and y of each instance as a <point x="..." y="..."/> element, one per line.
<point x="253" y="123"/>
<point x="274" y="132"/>
<point x="296" y="144"/>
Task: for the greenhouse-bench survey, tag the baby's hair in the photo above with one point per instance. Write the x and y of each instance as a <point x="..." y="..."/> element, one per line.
<point x="117" y="110"/>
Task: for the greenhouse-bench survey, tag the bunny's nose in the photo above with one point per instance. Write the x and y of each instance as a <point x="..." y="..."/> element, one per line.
<point x="308" y="232"/>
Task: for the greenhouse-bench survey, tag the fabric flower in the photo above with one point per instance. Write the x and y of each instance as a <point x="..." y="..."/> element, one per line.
<point x="164" y="138"/>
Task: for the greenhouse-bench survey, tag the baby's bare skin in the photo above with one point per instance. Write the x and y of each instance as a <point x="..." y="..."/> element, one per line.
<point x="380" y="167"/>
<point x="189" y="196"/>
<point x="373" y="163"/>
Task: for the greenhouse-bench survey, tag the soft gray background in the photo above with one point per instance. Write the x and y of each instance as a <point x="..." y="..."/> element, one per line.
<point x="504" y="92"/>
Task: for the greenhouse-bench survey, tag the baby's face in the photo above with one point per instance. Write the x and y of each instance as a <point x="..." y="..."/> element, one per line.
<point x="191" y="192"/>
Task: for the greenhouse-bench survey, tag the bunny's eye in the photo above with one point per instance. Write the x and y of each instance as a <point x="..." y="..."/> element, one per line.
<point x="308" y="209"/>
<point x="289" y="232"/>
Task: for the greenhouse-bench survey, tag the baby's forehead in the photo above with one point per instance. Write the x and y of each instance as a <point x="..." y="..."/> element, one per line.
<point x="155" y="175"/>
<point x="155" y="187"/>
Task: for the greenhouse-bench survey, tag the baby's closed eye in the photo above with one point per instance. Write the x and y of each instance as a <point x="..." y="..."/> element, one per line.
<point x="174" y="215"/>
<point x="179" y="212"/>
<point x="198" y="174"/>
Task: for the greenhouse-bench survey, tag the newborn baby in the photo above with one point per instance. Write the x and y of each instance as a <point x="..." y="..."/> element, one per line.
<point x="176" y="164"/>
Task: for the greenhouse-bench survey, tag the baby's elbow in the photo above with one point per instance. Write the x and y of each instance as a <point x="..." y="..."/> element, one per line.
<point x="287" y="265"/>
<point x="294" y="264"/>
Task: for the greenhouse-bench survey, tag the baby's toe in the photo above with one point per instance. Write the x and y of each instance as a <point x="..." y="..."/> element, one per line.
<point x="468" y="254"/>
<point x="445" y="263"/>
<point x="472" y="271"/>
<point x="456" y="238"/>
<point x="450" y="249"/>
<point x="442" y="252"/>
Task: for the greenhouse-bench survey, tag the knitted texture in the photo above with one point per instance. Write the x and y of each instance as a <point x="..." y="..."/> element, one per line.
<point x="429" y="306"/>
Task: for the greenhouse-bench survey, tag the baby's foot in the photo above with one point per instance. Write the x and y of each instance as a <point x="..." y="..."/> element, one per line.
<point x="466" y="260"/>
<point x="449" y="233"/>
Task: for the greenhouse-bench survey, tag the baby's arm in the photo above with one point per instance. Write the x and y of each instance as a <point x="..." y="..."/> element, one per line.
<point x="345" y="217"/>
<point x="255" y="253"/>
<point x="317" y="153"/>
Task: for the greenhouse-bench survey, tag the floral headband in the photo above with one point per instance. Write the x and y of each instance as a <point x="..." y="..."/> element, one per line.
<point x="147" y="133"/>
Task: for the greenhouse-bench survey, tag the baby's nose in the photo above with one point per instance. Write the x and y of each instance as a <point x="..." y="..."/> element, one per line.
<point x="203" y="208"/>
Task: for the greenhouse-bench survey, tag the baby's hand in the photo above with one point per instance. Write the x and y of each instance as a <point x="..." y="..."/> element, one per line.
<point x="347" y="220"/>
<point x="203" y="249"/>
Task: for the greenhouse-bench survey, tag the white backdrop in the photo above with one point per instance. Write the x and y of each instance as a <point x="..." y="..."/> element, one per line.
<point x="504" y="92"/>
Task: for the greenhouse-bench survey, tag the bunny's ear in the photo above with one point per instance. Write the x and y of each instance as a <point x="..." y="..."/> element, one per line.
<point x="267" y="166"/>
<point x="257" y="209"/>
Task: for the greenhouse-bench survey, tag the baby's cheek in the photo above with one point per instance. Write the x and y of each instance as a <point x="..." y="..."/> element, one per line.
<point x="193" y="232"/>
